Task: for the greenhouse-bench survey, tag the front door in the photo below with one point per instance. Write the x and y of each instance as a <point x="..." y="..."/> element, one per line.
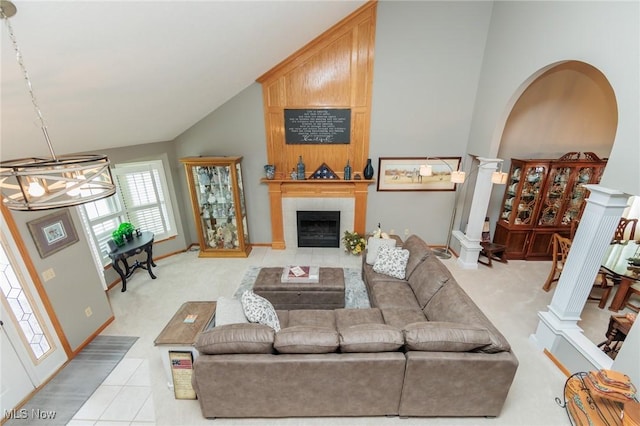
<point x="31" y="350"/>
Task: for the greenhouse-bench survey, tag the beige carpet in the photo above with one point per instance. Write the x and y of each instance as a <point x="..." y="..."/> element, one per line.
<point x="510" y="295"/>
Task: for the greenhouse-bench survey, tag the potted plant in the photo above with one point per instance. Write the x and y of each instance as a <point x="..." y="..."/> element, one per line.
<point x="117" y="237"/>
<point x="125" y="230"/>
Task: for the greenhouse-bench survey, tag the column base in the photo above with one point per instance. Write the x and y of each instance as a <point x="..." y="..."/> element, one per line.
<point x="469" y="251"/>
<point x="565" y="340"/>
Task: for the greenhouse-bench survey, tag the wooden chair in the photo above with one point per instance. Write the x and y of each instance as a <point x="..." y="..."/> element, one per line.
<point x="561" y="247"/>
<point x="605" y="280"/>
<point x="605" y="283"/>
<point x="634" y="289"/>
<point x="624" y="223"/>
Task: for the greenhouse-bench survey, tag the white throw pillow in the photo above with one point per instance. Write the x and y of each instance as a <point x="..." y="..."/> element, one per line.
<point x="373" y="246"/>
<point x="259" y="310"/>
<point x="229" y="311"/>
<point x="392" y="261"/>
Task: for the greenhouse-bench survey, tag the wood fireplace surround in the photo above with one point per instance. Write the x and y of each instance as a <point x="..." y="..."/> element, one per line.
<point x="333" y="71"/>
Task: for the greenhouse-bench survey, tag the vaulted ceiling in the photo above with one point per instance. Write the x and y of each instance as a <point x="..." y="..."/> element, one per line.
<point x="117" y="73"/>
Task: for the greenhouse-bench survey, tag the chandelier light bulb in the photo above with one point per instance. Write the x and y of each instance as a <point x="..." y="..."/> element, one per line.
<point x="77" y="190"/>
<point x="35" y="189"/>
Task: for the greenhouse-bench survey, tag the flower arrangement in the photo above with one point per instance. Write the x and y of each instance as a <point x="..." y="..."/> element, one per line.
<point x="354" y="243"/>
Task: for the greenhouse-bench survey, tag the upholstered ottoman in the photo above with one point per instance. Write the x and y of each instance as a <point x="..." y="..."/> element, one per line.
<point x="327" y="293"/>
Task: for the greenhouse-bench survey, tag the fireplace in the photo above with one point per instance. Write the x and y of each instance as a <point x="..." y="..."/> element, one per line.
<point x="318" y="228"/>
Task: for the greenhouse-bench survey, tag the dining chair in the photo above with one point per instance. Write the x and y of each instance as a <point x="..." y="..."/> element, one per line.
<point x="621" y="229"/>
<point x="605" y="279"/>
<point x="561" y="247"/>
<point x="634" y="289"/>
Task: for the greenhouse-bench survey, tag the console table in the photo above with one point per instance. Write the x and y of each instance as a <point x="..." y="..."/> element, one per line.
<point x="131" y="248"/>
<point x="180" y="335"/>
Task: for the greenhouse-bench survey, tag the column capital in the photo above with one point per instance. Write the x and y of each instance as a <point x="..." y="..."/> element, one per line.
<point x="604" y="196"/>
<point x="488" y="161"/>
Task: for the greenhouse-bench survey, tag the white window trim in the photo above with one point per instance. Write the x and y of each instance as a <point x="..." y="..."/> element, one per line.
<point x="120" y="170"/>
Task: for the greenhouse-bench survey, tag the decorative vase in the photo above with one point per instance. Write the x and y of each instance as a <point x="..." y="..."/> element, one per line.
<point x="300" y="168"/>
<point x="347" y="171"/>
<point x="368" y="170"/>
<point x="270" y="171"/>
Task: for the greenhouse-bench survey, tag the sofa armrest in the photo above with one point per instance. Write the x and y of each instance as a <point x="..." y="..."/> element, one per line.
<point x="479" y="381"/>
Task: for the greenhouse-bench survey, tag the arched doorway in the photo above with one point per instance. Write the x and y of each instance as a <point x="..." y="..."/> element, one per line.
<point x="569" y="106"/>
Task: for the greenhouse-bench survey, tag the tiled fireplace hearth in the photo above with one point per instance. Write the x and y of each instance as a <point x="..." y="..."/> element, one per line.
<point x="286" y="197"/>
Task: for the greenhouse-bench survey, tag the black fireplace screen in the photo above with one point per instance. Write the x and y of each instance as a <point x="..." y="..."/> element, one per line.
<point x="318" y="228"/>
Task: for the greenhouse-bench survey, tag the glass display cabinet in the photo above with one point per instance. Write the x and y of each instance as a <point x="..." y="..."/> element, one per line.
<point x="217" y="198"/>
<point x="543" y="197"/>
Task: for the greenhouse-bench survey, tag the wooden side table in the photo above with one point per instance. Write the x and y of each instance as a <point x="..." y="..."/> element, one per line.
<point x="131" y="248"/>
<point x="180" y="336"/>
<point x="493" y="251"/>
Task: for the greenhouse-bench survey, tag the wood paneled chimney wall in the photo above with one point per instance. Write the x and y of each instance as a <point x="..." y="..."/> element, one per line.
<point x="335" y="70"/>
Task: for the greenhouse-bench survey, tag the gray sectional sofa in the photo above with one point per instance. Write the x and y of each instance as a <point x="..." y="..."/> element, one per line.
<point x="423" y="349"/>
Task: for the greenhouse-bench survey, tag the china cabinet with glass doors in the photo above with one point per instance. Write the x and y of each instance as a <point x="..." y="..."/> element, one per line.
<point x="543" y="197"/>
<point x="217" y="198"/>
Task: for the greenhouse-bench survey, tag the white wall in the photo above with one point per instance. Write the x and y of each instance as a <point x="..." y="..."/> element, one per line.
<point x="428" y="57"/>
<point x="526" y="37"/>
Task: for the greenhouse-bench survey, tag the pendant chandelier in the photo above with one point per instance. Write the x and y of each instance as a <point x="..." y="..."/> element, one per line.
<point x="58" y="181"/>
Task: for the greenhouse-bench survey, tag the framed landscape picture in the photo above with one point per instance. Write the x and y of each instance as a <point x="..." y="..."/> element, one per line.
<point x="403" y="173"/>
<point x="53" y="232"/>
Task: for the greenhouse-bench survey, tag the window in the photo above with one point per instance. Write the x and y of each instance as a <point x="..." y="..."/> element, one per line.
<point x="20" y="305"/>
<point x="142" y="198"/>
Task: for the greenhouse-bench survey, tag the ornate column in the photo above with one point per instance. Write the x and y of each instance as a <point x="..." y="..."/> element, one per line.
<point x="470" y="241"/>
<point x="557" y="330"/>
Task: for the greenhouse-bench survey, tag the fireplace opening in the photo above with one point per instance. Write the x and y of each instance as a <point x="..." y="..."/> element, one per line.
<point x="318" y="228"/>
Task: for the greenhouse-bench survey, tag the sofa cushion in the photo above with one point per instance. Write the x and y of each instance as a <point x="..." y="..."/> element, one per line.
<point x="304" y="339"/>
<point x="391" y="261"/>
<point x="283" y="317"/>
<point x="373" y="246"/>
<point x="313" y="317"/>
<point x="400" y="317"/>
<point x="393" y="295"/>
<point x="428" y="277"/>
<point x="418" y="251"/>
<point x="348" y="317"/>
<point x="243" y="338"/>
<point x="452" y="304"/>
<point x="229" y="311"/>
<point x="259" y="310"/>
<point x="445" y="336"/>
<point x="371" y="338"/>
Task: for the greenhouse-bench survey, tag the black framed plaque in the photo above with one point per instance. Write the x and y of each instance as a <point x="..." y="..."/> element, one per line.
<point x="317" y="126"/>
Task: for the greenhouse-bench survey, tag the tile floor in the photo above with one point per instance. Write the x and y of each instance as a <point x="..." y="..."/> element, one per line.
<point x="124" y="398"/>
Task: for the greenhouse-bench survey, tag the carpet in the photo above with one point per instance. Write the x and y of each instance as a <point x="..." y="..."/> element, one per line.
<point x="355" y="292"/>
<point x="77" y="381"/>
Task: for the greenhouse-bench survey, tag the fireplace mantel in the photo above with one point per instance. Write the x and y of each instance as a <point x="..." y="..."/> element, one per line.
<point x="315" y="188"/>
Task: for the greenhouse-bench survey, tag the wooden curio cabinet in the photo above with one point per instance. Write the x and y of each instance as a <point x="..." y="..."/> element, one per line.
<point x="543" y="197"/>
<point x="217" y="198"/>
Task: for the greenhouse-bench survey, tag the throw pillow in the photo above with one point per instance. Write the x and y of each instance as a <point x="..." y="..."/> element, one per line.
<point x="391" y="261"/>
<point x="229" y="311"/>
<point x="258" y="309"/>
<point x="236" y="339"/>
<point x="373" y="246"/>
<point x="439" y="336"/>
